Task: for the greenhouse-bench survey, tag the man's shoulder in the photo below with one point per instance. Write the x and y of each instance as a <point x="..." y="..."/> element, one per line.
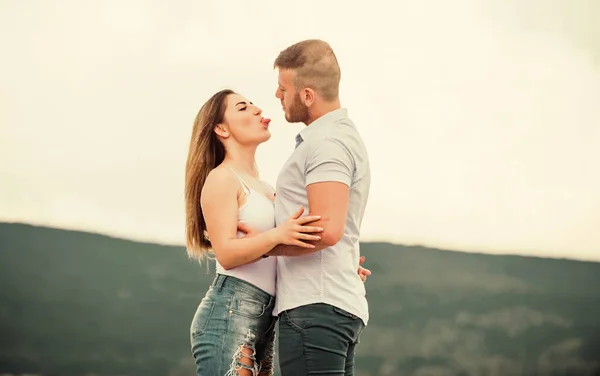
<point x="339" y="130"/>
<point x="345" y="134"/>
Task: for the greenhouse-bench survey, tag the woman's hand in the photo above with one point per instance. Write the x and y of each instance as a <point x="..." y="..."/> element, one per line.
<point x="363" y="272"/>
<point x="294" y="230"/>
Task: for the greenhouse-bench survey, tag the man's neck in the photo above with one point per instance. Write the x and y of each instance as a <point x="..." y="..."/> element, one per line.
<point x="323" y="109"/>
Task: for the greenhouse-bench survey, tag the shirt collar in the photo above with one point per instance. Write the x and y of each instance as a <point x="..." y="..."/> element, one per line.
<point x="329" y="117"/>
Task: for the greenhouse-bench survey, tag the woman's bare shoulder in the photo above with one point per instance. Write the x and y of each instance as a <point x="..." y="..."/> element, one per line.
<point x="221" y="178"/>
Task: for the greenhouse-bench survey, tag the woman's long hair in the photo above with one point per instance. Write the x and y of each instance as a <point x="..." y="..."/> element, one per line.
<point x="206" y="152"/>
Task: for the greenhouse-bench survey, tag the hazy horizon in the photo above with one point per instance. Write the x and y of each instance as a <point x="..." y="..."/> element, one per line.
<point x="181" y="244"/>
<point x="481" y="117"/>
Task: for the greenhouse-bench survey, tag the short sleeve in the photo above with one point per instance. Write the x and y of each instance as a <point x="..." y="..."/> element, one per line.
<point x="329" y="160"/>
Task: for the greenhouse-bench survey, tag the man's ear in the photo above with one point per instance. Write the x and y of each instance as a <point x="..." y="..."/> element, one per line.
<point x="221" y="130"/>
<point x="308" y="96"/>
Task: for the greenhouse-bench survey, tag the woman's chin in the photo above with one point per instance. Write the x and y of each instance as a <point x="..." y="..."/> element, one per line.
<point x="267" y="137"/>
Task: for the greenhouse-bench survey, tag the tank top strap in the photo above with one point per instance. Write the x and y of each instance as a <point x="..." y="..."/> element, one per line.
<point x="245" y="186"/>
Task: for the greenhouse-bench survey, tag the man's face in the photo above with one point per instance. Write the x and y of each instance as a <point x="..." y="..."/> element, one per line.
<point x="293" y="107"/>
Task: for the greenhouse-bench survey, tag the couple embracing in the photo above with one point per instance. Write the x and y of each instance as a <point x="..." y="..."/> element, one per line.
<point x="288" y="254"/>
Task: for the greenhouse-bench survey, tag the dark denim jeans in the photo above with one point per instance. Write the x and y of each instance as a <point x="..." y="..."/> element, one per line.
<point x="318" y="339"/>
<point x="233" y="330"/>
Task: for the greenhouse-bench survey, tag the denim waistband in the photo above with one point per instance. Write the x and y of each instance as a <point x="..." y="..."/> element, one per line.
<point x="234" y="283"/>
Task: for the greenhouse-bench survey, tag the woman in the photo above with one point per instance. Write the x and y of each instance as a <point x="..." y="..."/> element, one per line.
<point x="232" y="332"/>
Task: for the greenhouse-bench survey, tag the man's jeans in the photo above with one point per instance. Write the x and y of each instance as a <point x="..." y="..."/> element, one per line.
<point x="318" y="339"/>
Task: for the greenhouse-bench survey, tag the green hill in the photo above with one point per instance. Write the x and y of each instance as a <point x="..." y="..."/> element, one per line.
<point x="74" y="303"/>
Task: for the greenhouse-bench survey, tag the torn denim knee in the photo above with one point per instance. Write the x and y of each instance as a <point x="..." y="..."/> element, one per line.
<point x="245" y="357"/>
<point x="266" y="365"/>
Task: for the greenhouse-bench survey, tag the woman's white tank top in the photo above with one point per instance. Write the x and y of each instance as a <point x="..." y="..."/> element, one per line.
<point x="259" y="213"/>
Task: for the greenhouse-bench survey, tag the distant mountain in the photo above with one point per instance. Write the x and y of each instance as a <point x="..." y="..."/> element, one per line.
<point x="74" y="303"/>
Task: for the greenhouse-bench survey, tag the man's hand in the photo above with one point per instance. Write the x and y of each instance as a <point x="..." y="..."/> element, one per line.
<point x="363" y="272"/>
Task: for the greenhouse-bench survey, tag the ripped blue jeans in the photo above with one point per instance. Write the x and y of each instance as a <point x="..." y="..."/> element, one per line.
<point x="233" y="330"/>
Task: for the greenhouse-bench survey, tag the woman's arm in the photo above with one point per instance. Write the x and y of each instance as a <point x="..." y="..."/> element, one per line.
<point x="219" y="201"/>
<point x="220" y="209"/>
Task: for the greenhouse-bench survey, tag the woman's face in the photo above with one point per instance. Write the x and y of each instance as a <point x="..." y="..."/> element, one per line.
<point x="243" y="122"/>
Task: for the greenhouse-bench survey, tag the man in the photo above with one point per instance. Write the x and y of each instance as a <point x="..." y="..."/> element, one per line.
<point x="321" y="300"/>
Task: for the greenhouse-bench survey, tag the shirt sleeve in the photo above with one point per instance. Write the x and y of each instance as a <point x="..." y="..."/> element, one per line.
<point x="329" y="160"/>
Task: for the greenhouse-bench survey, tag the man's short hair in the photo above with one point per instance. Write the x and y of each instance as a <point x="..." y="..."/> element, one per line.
<point x="315" y="65"/>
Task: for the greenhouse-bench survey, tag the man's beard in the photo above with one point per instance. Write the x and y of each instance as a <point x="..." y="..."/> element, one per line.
<point x="297" y="112"/>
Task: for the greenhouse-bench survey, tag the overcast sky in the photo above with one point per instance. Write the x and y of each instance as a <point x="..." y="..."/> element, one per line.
<point x="482" y="118"/>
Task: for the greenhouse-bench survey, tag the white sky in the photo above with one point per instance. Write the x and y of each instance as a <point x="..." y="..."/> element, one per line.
<point x="482" y="118"/>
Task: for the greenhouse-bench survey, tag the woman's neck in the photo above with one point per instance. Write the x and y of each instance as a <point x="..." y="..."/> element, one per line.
<point x="242" y="160"/>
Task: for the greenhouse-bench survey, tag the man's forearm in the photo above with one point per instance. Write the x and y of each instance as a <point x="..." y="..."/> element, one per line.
<point x="327" y="240"/>
<point x="293" y="250"/>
